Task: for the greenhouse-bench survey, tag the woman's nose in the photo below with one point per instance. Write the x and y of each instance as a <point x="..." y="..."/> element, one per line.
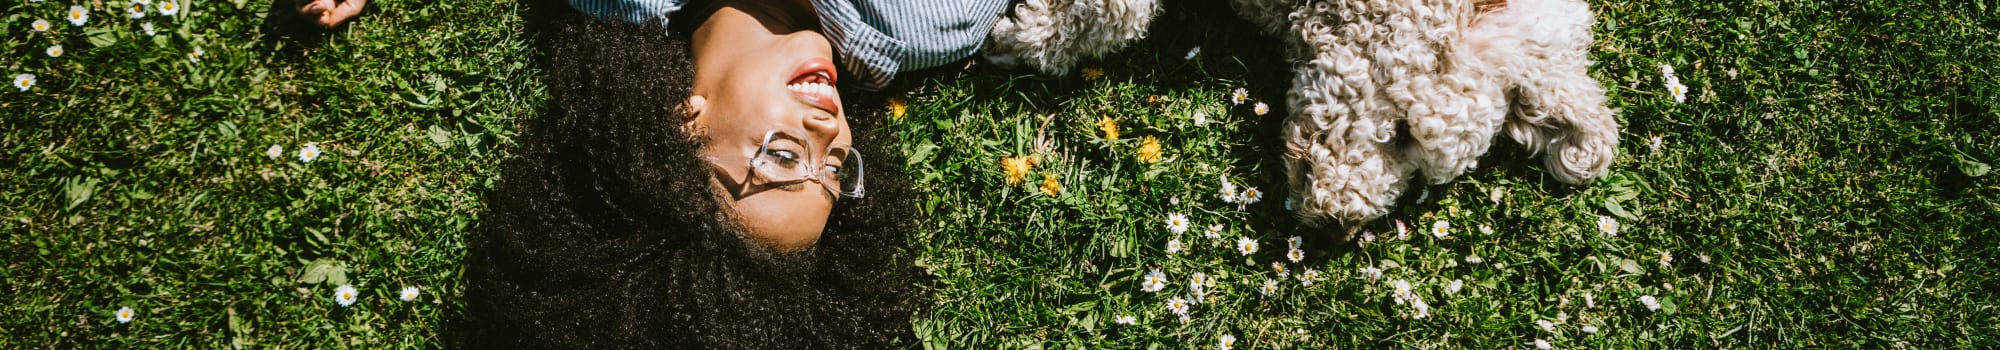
<point x="824" y="128"/>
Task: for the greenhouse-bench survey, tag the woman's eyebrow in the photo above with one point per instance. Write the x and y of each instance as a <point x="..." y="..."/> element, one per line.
<point x="782" y="133"/>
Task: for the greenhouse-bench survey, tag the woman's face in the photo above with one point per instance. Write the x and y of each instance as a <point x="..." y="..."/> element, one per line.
<point x="757" y="71"/>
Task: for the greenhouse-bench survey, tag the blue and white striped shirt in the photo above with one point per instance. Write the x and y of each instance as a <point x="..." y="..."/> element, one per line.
<point x="872" y="39"/>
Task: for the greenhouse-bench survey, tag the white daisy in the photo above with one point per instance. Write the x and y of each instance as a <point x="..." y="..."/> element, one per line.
<point x="136" y="10"/>
<point x="1667" y="72"/>
<point x="1228" y="190"/>
<point x="275" y="151"/>
<point x="78" y="15"/>
<point x="1307" y="278"/>
<point x="308" y="153"/>
<point x="345" y="295"/>
<point x="148" y="27"/>
<point x="1679" y="91"/>
<point x="1198" y="285"/>
<point x="1174" y="246"/>
<point x="1246" y="245"/>
<point x="1422" y="308"/>
<point x="1474" y="259"/>
<point x="1367" y="237"/>
<point x="1496" y="194"/>
<point x="1192" y="52"/>
<point x="1214" y="232"/>
<point x="1402" y="231"/>
<point x="24" y="81"/>
<point x="1279" y="268"/>
<point x="1154" y="281"/>
<point x="1654" y="143"/>
<point x="409" y="294"/>
<point x="1178" y="305"/>
<point x="1238" y="96"/>
<point x="1590" y="329"/>
<point x="195" y="56"/>
<point x="1666" y="260"/>
<point x="1543" y="344"/>
<point x="1607" y="225"/>
<point x="1402" y="292"/>
<point x="1227" y="342"/>
<point x="1371" y="273"/>
<point x="1295" y="255"/>
<point x="1546" y="325"/>
<point x="1177" y="223"/>
<point x="169" y="8"/>
<point x="1454" y="286"/>
<point x="1652" y="304"/>
<point x="1200" y="119"/>
<point x="1124" y="319"/>
<point x="55" y="51"/>
<point x="1589" y="301"/>
<point x="1270" y="286"/>
<point x="124" y="314"/>
<point x="40" y="25"/>
<point x="1251" y="195"/>
<point x="1260" y="108"/>
<point x="1441" y="228"/>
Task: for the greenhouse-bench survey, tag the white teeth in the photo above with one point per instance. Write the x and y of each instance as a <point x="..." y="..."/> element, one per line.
<point x="812" y="88"/>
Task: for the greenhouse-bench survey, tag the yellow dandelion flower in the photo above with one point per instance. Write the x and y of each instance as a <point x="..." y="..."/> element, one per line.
<point x="1016" y="168"/>
<point x="1092" y="73"/>
<point x="1051" y="185"/>
<point x="1110" y="127"/>
<point x="897" y="108"/>
<point x="1149" y="150"/>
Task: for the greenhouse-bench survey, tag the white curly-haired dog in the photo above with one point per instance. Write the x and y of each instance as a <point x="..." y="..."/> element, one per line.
<point x="1052" y="35"/>
<point x="1386" y="89"/>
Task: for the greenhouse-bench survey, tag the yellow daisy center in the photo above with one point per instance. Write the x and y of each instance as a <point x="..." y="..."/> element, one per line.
<point x="167" y="6"/>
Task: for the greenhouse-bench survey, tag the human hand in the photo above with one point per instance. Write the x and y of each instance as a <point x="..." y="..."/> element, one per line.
<point x="330" y="13"/>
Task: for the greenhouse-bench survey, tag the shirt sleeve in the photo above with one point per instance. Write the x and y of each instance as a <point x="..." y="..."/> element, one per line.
<point x="877" y="39"/>
<point x="634" y="11"/>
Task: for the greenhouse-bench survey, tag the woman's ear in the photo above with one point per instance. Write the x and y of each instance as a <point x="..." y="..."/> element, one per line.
<point x="692" y="109"/>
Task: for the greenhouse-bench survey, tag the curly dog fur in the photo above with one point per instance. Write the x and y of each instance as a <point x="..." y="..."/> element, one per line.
<point x="1051" y="36"/>
<point x="1384" y="90"/>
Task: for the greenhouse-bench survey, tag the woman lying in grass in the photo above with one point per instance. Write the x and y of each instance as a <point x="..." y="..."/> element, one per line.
<point x="678" y="193"/>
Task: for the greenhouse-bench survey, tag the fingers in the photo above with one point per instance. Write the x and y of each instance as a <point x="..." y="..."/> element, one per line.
<point x="313" y="8"/>
<point x="341" y="13"/>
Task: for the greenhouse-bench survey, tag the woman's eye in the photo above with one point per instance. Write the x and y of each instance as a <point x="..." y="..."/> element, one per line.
<point x="783" y="157"/>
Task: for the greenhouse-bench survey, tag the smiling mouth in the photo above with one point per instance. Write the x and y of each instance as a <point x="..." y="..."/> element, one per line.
<point x="813" y="85"/>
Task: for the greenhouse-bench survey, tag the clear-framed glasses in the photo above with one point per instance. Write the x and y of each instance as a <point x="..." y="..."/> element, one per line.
<point x="786" y="158"/>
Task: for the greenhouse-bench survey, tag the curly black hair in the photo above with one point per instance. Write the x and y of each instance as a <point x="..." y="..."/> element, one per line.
<point x="606" y="231"/>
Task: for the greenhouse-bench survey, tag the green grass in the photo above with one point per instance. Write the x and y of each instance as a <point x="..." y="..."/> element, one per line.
<point x="1825" y="185"/>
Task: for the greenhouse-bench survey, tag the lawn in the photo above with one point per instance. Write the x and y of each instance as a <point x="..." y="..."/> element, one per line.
<point x="1826" y="183"/>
